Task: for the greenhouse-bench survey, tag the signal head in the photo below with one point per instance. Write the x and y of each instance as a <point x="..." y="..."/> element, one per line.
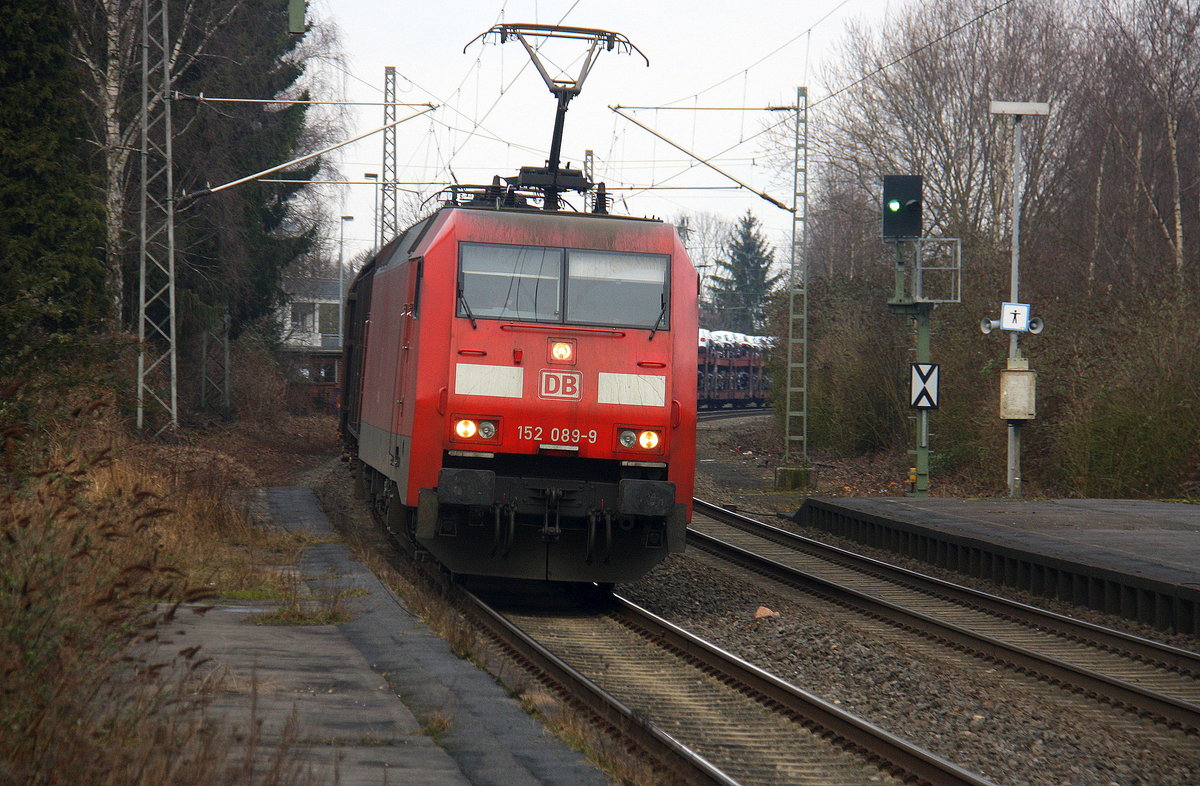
<point x="902" y="206"/>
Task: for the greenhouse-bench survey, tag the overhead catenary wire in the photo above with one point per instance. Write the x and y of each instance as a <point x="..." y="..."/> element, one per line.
<point x="764" y="58"/>
<point x="913" y="52"/>
<point x="855" y="83"/>
<point x="705" y="162"/>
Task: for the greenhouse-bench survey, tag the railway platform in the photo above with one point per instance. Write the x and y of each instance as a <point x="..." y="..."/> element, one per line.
<point x="377" y="699"/>
<point x="1138" y="559"/>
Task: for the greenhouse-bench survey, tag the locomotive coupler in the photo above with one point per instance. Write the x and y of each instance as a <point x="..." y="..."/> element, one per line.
<point x="593" y="525"/>
<point x="550" y="521"/>
<point x="504" y="530"/>
<point x="607" y="537"/>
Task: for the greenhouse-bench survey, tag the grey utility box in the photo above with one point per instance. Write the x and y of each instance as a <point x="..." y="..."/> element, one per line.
<point x="1018" y="391"/>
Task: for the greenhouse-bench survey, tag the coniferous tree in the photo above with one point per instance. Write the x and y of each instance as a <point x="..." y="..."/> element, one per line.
<point x="235" y="244"/>
<point x="51" y="230"/>
<point x="743" y="280"/>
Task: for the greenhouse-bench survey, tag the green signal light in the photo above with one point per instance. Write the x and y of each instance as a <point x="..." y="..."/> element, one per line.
<point x="894" y="205"/>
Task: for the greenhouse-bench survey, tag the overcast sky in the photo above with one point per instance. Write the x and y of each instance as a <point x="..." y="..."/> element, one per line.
<point x="496" y="114"/>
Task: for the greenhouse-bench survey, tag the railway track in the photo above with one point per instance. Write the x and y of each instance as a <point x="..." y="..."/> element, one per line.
<point x="1147" y="678"/>
<point x="722" y="414"/>
<point x="711" y="716"/>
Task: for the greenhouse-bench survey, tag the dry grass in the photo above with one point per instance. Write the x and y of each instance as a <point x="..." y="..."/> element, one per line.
<point x="437" y="724"/>
<point x="99" y="549"/>
<point x="299" y="606"/>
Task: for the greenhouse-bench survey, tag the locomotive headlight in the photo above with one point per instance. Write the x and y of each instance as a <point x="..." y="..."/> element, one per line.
<point x="466" y="428"/>
<point x="648" y="440"/>
<point x="487" y="429"/>
<point x="561" y="351"/>
<point x="627" y="438"/>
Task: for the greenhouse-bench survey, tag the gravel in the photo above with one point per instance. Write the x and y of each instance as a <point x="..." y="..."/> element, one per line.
<point x="1005" y="726"/>
<point x="994" y="722"/>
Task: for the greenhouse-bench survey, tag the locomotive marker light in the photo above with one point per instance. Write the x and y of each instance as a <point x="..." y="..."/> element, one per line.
<point x="645" y="439"/>
<point x="466" y="428"/>
<point x="1017" y="381"/>
<point x="562" y="351"/>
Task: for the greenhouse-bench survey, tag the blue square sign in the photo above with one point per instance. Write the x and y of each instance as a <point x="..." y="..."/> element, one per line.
<point x="1014" y="316"/>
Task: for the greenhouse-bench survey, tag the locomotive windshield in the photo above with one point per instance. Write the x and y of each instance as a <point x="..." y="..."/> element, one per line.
<point x="511" y="282"/>
<point x="537" y="284"/>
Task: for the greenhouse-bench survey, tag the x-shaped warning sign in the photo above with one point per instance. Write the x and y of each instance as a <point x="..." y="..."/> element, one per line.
<point x="923" y="387"/>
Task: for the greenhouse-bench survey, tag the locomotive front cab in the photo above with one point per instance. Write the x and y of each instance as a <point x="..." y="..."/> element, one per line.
<point x="566" y="428"/>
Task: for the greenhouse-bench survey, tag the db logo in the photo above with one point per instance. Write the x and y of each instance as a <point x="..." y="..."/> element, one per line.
<point x="561" y="385"/>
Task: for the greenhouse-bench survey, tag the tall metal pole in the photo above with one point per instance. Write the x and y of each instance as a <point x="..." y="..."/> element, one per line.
<point x="342" y="279"/>
<point x="922" y="318"/>
<point x="796" y="352"/>
<point x="388" y="210"/>
<point x="1014" y="351"/>
<point x="374" y="177"/>
<point x="157" y="387"/>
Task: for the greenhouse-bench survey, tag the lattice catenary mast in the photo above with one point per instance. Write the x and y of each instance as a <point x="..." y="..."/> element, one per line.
<point x="157" y="381"/>
<point x="389" y="221"/>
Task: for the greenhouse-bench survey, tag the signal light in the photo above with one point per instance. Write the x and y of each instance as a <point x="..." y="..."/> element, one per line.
<point x="902" y="206"/>
<point x="648" y="440"/>
<point x="465" y="428"/>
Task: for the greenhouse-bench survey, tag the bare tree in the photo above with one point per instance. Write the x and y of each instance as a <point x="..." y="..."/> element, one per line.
<point x="1150" y="105"/>
<point x="107" y="43"/>
<point x="704" y="237"/>
<point x="919" y="104"/>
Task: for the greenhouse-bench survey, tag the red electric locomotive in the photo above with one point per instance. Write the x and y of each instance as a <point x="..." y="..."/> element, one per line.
<point x="522" y="386"/>
<point x="520" y="392"/>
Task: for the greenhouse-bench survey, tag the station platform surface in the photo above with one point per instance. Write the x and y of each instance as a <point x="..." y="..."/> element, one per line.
<point x="378" y="699"/>
<point x="1055" y="547"/>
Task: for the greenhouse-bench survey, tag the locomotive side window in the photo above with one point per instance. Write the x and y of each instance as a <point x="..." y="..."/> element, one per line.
<point x="510" y="282"/>
<point x="611" y="288"/>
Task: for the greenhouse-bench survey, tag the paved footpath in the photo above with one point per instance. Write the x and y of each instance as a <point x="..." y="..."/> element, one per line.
<point x="358" y="690"/>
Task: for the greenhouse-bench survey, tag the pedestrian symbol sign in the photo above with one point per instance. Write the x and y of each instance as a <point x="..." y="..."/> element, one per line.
<point x="1014" y="316"/>
<point x="923" y="388"/>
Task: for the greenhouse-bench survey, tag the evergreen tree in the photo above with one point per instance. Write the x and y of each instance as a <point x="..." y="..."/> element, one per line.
<point x="51" y="219"/>
<point x="235" y="244"/>
<point x="743" y="279"/>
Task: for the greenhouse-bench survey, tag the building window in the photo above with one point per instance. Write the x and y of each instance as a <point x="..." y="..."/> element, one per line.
<point x="302" y="317"/>
<point x="329" y="318"/>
